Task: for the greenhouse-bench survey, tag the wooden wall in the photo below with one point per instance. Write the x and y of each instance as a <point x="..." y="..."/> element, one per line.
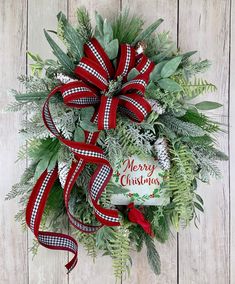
<point x="200" y="256"/>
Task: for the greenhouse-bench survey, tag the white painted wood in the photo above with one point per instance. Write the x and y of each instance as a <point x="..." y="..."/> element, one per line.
<point x="231" y="145"/>
<point x="13" y="242"/>
<point x="204" y="253"/>
<point x="141" y="272"/>
<point x="48" y="265"/>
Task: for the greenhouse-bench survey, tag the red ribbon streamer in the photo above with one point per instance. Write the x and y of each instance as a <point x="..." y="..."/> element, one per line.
<point x="94" y="72"/>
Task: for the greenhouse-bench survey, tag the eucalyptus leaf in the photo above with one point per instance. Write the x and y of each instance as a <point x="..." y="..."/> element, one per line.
<point x="155" y="74"/>
<point x="170" y="67"/>
<point x="169" y="85"/>
<point x="207" y="105"/>
<point x="188" y="54"/>
<point x="107" y="31"/>
<point x="164" y="54"/>
<point x="86" y="113"/>
<point x="63" y="58"/>
<point x="132" y="74"/>
<point x="72" y="37"/>
<point x="112" y="49"/>
<point x="88" y="126"/>
<point x="99" y="23"/>
<point x="147" y="32"/>
<point x="79" y="135"/>
<point x="41" y="167"/>
<point x="52" y="162"/>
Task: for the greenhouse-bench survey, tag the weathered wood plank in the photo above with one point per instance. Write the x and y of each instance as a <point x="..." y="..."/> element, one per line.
<point x="231" y="144"/>
<point x="141" y="272"/>
<point x="204" y="253"/>
<point x="13" y="242"/>
<point x="87" y="271"/>
<point x="42" y="14"/>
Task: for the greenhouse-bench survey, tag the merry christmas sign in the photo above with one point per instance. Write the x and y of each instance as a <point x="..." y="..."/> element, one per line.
<point x="140" y="180"/>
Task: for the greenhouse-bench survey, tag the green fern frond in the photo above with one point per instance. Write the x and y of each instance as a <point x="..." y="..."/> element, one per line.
<point x="179" y="185"/>
<point x="119" y="250"/>
<point x="89" y="243"/>
<point x="195" y="88"/>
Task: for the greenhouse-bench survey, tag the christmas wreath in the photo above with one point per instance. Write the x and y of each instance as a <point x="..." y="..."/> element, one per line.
<point x="116" y="144"/>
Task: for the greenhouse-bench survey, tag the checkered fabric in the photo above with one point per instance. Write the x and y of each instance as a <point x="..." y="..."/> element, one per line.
<point x="92" y="87"/>
<point x="34" y="212"/>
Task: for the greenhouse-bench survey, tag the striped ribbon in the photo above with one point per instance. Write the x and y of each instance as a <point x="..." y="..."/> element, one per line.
<point x="94" y="73"/>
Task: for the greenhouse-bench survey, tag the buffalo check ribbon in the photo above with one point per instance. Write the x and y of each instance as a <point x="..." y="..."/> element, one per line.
<point x="94" y="72"/>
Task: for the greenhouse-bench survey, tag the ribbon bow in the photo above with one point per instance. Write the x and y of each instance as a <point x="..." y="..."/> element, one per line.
<point x="108" y="90"/>
<point x="102" y="85"/>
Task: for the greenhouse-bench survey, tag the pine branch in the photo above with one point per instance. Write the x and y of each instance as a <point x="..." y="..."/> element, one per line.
<point x="84" y="24"/>
<point x="126" y="28"/>
<point x="152" y="254"/>
<point x="181" y="127"/>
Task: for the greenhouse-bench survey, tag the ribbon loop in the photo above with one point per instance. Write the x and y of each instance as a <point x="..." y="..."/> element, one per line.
<point x="95" y="72"/>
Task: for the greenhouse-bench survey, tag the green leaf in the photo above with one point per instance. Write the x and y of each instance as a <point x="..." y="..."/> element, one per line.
<point x="63" y="58"/>
<point x="199" y="199"/>
<point x="88" y="126"/>
<point x="72" y="38"/>
<point x="87" y="113"/>
<point x="52" y="162"/>
<point x="112" y="49"/>
<point x="132" y="74"/>
<point x="99" y="23"/>
<point x="169" y="85"/>
<point x="41" y="167"/>
<point x="107" y="31"/>
<point x="152" y="254"/>
<point x="79" y="135"/>
<point x="31" y="97"/>
<point x="146" y="33"/>
<point x="198" y="206"/>
<point x="170" y="67"/>
<point x="188" y="54"/>
<point x="155" y="74"/>
<point x="207" y="105"/>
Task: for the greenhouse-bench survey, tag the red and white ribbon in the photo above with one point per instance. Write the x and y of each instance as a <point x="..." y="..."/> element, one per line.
<point x="94" y="73"/>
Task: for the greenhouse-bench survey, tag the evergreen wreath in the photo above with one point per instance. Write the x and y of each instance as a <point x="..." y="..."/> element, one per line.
<point x="119" y="90"/>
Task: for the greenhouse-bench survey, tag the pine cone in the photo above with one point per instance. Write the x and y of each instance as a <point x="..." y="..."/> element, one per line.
<point x="159" y="109"/>
<point x="161" y="149"/>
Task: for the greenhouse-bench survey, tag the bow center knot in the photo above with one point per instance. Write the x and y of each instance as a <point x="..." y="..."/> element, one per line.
<point x="114" y="87"/>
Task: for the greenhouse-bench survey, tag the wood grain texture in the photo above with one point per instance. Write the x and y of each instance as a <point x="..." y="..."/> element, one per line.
<point x="141" y="272"/>
<point x="204" y="256"/>
<point x="42" y="15"/>
<point x="13" y="242"/>
<point x="231" y="143"/>
<point x="204" y="253"/>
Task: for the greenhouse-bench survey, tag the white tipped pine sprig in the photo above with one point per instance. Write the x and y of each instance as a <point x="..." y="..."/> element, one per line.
<point x="156" y="106"/>
<point x="162" y="153"/>
<point x="64" y="79"/>
<point x="63" y="170"/>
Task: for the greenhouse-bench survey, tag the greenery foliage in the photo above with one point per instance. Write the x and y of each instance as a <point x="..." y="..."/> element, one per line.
<point x="173" y="84"/>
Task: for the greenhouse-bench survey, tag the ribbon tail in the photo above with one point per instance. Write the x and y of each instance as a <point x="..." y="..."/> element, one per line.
<point x="136" y="216"/>
<point x="34" y="212"/>
<point x="107" y="112"/>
